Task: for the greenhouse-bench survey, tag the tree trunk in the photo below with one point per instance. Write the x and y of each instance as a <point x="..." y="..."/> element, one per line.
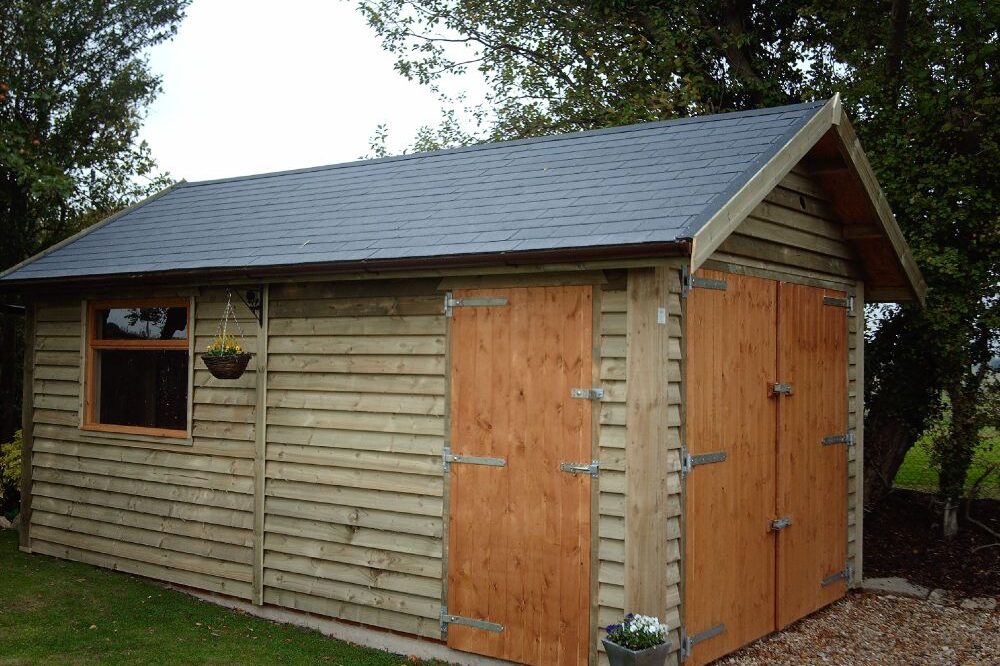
<point x="956" y="453"/>
<point x="902" y="395"/>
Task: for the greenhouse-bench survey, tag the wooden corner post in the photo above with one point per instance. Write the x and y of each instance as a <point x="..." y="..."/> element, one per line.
<point x="646" y="448"/>
<point x="27" y="425"/>
<point x="260" y="451"/>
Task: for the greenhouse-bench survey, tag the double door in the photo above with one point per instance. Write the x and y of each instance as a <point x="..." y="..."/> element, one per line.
<point x="766" y="492"/>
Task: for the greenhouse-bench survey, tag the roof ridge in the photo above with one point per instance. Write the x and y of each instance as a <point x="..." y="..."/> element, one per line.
<point x="494" y="145"/>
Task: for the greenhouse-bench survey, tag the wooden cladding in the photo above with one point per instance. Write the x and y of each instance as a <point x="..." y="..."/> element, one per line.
<point x="779" y="498"/>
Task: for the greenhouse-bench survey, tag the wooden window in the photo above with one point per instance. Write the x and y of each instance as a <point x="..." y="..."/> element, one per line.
<point x="138" y="357"/>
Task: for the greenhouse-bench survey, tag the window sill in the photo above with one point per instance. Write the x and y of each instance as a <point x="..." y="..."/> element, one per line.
<point x="148" y="435"/>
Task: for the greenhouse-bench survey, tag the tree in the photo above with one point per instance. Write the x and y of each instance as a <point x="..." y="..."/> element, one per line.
<point x="919" y="76"/>
<point x="74" y="82"/>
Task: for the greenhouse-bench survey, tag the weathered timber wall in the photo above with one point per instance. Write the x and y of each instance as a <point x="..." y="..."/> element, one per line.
<point x="180" y="512"/>
<point x="355" y="427"/>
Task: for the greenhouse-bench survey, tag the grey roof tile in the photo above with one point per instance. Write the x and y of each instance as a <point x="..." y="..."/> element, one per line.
<point x="654" y="182"/>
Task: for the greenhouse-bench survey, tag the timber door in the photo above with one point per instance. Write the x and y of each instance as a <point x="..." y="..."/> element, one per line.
<point x="812" y="461"/>
<point x="766" y="490"/>
<point x="519" y="526"/>
<point x="729" y="574"/>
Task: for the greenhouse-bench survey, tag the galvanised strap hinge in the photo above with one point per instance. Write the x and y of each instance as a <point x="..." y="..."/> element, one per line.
<point x="587" y="393"/>
<point x="847" y="573"/>
<point x="688" y="642"/>
<point x="846" y="303"/>
<point x="447" y="618"/>
<point x="450" y="303"/>
<point x="846" y="438"/>
<point x="449" y="458"/>
<point x="689" y="462"/>
<point x="690" y="281"/>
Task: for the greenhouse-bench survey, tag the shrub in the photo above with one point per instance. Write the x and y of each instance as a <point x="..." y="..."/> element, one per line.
<point x="10" y="469"/>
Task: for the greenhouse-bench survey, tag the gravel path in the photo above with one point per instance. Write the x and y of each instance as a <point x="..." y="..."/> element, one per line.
<point x="870" y="629"/>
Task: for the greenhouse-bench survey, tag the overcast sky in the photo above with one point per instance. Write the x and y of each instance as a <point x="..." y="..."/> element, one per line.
<point x="263" y="85"/>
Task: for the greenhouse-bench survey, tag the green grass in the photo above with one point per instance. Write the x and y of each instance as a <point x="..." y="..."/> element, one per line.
<point x="57" y="612"/>
<point x="918" y="473"/>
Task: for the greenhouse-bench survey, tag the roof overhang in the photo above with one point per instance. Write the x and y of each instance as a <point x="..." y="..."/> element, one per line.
<point x="828" y="146"/>
<point x="606" y="256"/>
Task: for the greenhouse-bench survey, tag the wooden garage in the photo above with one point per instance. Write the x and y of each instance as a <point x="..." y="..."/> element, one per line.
<point x="499" y="396"/>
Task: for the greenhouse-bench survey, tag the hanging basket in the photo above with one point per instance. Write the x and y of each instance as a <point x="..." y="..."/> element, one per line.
<point x="230" y="366"/>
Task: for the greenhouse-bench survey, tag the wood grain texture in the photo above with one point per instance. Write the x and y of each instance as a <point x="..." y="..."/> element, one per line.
<point x="354" y="433"/>
<point x="812" y="478"/>
<point x="519" y="535"/>
<point x="646" y="447"/>
<point x="27" y="425"/>
<point x="729" y="551"/>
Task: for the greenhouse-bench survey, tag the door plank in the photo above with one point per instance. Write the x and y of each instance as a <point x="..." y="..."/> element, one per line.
<point x="519" y="535"/>
<point x="812" y="478"/>
<point x="729" y="551"/>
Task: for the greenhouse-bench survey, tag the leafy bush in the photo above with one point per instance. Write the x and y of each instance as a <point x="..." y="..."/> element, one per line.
<point x="10" y="469"/>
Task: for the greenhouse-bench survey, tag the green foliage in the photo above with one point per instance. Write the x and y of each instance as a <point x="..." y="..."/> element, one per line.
<point x="10" y="469"/>
<point x="74" y="82"/>
<point x="59" y="612"/>
<point x="554" y="67"/>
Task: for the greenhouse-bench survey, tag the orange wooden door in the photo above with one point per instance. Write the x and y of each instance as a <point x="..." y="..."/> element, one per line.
<point x="519" y="534"/>
<point x="729" y="550"/>
<point x="812" y="476"/>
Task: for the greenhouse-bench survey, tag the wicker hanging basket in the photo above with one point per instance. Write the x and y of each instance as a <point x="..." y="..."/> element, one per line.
<point x="230" y="366"/>
<point x="227" y="365"/>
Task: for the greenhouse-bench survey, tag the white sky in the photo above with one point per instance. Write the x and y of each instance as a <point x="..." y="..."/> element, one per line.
<point x="251" y="86"/>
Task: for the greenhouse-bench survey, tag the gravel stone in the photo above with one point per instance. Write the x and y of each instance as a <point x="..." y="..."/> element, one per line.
<point x="980" y="603"/>
<point x="875" y="630"/>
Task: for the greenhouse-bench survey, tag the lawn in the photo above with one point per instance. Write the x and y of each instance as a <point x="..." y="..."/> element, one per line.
<point x="917" y="471"/>
<point x="57" y="612"/>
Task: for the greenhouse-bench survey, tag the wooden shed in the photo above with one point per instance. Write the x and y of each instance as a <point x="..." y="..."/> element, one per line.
<point x="500" y="395"/>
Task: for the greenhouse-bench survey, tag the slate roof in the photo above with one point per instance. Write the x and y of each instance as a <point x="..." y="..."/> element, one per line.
<point x="648" y="183"/>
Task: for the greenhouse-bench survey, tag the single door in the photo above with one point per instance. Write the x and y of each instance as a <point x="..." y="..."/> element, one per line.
<point x="812" y="460"/>
<point x="729" y="593"/>
<point x="519" y="527"/>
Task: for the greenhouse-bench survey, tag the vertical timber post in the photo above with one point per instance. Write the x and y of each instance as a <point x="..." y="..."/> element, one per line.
<point x="27" y="425"/>
<point x="859" y="433"/>
<point x="260" y="451"/>
<point x="647" y="458"/>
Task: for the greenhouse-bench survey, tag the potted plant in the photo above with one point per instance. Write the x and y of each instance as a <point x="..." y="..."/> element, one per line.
<point x="638" y="640"/>
<point x="225" y="358"/>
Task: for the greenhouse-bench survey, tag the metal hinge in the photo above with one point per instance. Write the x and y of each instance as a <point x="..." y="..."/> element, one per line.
<point x="690" y="281"/>
<point x="593" y="469"/>
<point x="449" y="458"/>
<point x="450" y="303"/>
<point x="447" y="618"/>
<point x="846" y="438"/>
<point x="587" y="393"/>
<point x="846" y="303"/>
<point x="688" y="642"/>
<point x="688" y="461"/>
<point x="847" y="573"/>
<point x="781" y="389"/>
<point x="779" y="524"/>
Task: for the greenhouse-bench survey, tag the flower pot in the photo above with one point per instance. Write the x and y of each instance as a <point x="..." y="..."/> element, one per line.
<point x="230" y="366"/>
<point x="622" y="656"/>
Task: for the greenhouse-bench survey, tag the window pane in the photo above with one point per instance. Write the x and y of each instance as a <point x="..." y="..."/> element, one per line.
<point x="145" y="388"/>
<point x="142" y="323"/>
